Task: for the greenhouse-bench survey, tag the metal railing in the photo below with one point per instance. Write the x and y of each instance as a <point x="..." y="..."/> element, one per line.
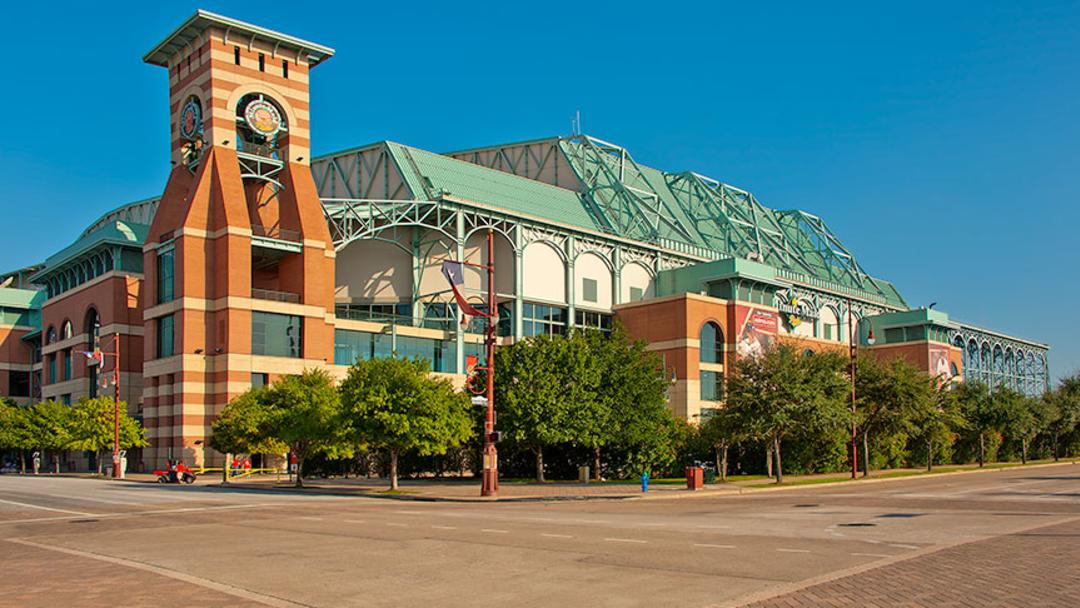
<point x="249" y="147"/>
<point x="275" y="232"/>
<point x="275" y="296"/>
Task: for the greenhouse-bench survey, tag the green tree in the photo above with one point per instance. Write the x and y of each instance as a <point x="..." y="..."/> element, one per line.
<point x="978" y="409"/>
<point x="15" y="429"/>
<point x="537" y="386"/>
<point x="628" y="402"/>
<point x="936" y="427"/>
<point x="722" y="430"/>
<point x="782" y="392"/>
<point x="305" y="416"/>
<point x="92" y="427"/>
<point x="1022" y="418"/>
<point x="397" y="405"/>
<point x="891" y="396"/>
<point x="50" y="429"/>
<point x="1064" y="405"/>
<point x="244" y="426"/>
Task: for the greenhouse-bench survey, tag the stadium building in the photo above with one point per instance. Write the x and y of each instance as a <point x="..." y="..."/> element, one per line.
<point x="258" y="260"/>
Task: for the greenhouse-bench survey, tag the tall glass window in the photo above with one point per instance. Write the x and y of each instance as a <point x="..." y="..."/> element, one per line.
<point x="587" y="319"/>
<point x="712" y="386"/>
<point x="52" y="367"/>
<point x="276" y="335"/>
<point x="166" y="276"/>
<point x="351" y="346"/>
<point x="712" y="343"/>
<point x="542" y="319"/>
<point x="166" y="336"/>
<point x="67" y="364"/>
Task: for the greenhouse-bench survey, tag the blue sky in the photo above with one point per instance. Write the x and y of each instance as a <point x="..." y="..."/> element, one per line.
<point x="938" y="140"/>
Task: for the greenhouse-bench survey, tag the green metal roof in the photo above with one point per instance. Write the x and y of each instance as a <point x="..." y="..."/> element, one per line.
<point x="21" y="298"/>
<point x="115" y="232"/>
<point x="431" y="175"/>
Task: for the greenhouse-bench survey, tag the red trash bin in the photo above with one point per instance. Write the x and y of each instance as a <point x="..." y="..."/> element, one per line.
<point x="695" y="478"/>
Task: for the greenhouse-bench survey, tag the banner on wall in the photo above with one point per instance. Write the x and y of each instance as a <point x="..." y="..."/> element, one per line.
<point x="940" y="365"/>
<point x="757" y="329"/>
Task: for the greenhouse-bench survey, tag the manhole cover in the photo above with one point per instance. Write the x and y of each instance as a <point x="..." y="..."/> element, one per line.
<point x="857" y="525"/>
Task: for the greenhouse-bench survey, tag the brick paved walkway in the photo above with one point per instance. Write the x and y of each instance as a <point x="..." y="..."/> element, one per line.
<point x="32" y="578"/>
<point x="1032" y="569"/>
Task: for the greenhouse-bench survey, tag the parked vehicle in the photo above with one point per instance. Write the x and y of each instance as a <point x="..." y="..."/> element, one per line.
<point x="177" y="472"/>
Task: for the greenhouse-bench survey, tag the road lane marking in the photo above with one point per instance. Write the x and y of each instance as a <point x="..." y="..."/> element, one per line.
<point x="494" y="531"/>
<point x="794" y="550"/>
<point x="91" y="499"/>
<point x="26" y="504"/>
<point x="625" y="540"/>
<point x="354" y="521"/>
<point x="267" y="600"/>
<point x="397" y="525"/>
<point x="872" y="555"/>
<point x="309" y="518"/>
<point x="714" y="527"/>
<point x="555" y="535"/>
<point x="898" y="546"/>
<point x="710" y="546"/>
<point x="404" y="512"/>
<point x="445" y="527"/>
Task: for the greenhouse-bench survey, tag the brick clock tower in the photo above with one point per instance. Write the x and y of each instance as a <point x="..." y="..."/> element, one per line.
<point x="239" y="262"/>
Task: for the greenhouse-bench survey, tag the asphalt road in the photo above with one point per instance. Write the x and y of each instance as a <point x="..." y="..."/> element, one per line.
<point x="81" y="542"/>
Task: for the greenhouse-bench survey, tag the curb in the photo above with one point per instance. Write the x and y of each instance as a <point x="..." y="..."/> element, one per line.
<point x="740" y="490"/>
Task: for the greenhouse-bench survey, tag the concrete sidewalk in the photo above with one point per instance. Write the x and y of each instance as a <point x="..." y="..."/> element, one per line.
<point x="468" y="490"/>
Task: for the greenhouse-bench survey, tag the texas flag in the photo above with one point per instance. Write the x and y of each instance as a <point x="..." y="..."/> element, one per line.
<point x="93" y="357"/>
<point x="454" y="273"/>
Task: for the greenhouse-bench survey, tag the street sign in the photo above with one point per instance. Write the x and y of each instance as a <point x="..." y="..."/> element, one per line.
<point x="479" y="401"/>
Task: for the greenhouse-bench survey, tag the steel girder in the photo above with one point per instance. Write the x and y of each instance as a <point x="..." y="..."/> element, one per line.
<point x="618" y="195"/>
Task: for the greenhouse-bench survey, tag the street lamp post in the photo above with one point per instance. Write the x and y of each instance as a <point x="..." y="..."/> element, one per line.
<point x="852" y="335"/>
<point x="98" y="356"/>
<point x="490" y="483"/>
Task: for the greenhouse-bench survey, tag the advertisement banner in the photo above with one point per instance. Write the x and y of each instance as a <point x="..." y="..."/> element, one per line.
<point x="757" y="328"/>
<point x="940" y="366"/>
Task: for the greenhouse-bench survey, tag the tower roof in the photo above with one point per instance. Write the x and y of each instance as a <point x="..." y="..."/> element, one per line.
<point x="194" y="27"/>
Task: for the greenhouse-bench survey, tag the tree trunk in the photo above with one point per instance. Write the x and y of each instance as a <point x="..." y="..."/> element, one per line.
<point x="779" y="465"/>
<point x="865" y="454"/>
<point x="929" y="455"/>
<point x="768" y="459"/>
<point x="22" y="462"/>
<point x="723" y="463"/>
<point x="100" y="456"/>
<point x="56" y="462"/>
<point x="1023" y="451"/>
<point x="299" y="469"/>
<point x="539" y="451"/>
<point x="982" y="449"/>
<point x="393" y="469"/>
<point x="1055" y="448"/>
<point x="596" y="465"/>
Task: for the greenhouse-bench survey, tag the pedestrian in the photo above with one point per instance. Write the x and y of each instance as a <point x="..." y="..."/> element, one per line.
<point x="234" y="468"/>
<point x="37" y="462"/>
<point x="247" y="465"/>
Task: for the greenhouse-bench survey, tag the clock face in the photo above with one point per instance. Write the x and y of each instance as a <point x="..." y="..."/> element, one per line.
<point x="263" y="118"/>
<point x="190" y="120"/>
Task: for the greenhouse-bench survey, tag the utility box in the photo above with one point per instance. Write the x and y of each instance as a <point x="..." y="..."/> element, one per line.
<point x="583" y="474"/>
<point x="695" y="478"/>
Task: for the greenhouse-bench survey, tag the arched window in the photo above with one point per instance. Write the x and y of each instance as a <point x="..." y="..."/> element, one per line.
<point x="712" y="343"/>
<point x="66" y="330"/>
<point x="260" y="125"/>
<point x="808" y="353"/>
<point x="711" y="353"/>
<point x="50" y="335"/>
<point x="93" y="328"/>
